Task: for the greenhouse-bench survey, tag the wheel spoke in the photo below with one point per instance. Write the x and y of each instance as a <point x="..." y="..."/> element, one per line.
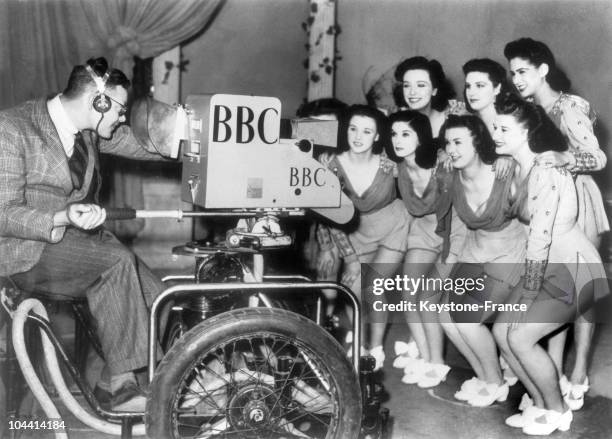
<point x="235" y="391"/>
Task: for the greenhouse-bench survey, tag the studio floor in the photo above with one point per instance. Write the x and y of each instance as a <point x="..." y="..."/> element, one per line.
<point x="420" y="414"/>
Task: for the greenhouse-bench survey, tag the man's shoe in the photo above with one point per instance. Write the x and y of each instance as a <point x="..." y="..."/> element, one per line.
<point x="129" y="398"/>
<point x="102" y="396"/>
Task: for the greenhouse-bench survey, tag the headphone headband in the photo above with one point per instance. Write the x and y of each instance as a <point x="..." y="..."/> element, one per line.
<point x="99" y="80"/>
<point x="101" y="102"/>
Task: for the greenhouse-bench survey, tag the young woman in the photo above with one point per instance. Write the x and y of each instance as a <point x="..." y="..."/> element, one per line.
<point x="560" y="262"/>
<point x="493" y="246"/>
<point x="416" y="151"/>
<point x="368" y="178"/>
<point x="424" y="88"/>
<point x="537" y="77"/>
<point x="485" y="81"/>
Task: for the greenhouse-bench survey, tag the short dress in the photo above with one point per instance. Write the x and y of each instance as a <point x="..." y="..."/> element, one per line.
<point x="574" y="117"/>
<point x="561" y="262"/>
<point x="494" y="249"/>
<point x="383" y="219"/>
<point x="422" y="220"/>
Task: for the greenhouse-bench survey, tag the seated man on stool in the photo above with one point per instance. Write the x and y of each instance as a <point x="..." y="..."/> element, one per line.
<point x="51" y="239"/>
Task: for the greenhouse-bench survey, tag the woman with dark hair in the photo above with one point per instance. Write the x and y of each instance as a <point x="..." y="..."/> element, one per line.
<point x="424" y="88"/>
<point x="560" y="261"/>
<point x="493" y="248"/>
<point x="368" y="178"/>
<point x="537" y="77"/>
<point x="485" y="81"/>
<point x="416" y="153"/>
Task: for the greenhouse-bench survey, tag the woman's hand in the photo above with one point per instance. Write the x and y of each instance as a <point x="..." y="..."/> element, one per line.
<point x="325" y="159"/>
<point x="445" y="159"/>
<point x="325" y="264"/>
<point x="555" y="159"/>
<point x="502" y="167"/>
<point x="352" y="271"/>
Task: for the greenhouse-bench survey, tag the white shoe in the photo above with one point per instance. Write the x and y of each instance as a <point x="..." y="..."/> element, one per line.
<point x="519" y="420"/>
<point x="575" y="396"/>
<point x="564" y="385"/>
<point x="525" y="403"/>
<point x="348" y="338"/>
<point x="403" y="352"/>
<point x="468" y="388"/>
<point x="413" y="371"/>
<point x="379" y="355"/>
<point x="508" y="374"/>
<point x="547" y="422"/>
<point x="433" y="375"/>
<point x="489" y="394"/>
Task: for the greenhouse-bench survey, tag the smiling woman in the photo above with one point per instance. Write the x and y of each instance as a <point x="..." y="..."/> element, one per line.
<point x="368" y="178"/>
<point x="424" y="88"/>
<point x="485" y="82"/>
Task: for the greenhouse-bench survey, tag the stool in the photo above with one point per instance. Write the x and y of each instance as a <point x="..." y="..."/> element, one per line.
<point x="83" y="337"/>
<point x="84" y="334"/>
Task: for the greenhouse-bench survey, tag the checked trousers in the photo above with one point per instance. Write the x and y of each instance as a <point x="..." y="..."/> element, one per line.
<point x="118" y="286"/>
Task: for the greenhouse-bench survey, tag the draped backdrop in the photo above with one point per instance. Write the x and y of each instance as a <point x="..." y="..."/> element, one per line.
<point x="41" y="40"/>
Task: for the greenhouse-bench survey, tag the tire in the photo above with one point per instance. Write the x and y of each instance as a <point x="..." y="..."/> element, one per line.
<point x="255" y="373"/>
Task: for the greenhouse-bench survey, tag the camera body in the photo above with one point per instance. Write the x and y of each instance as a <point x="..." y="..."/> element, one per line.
<point x="234" y="156"/>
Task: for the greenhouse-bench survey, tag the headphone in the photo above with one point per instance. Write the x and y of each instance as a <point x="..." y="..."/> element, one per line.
<point x="101" y="102"/>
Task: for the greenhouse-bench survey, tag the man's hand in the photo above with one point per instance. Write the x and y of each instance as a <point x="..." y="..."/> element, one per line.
<point x="85" y="216"/>
<point x="352" y="271"/>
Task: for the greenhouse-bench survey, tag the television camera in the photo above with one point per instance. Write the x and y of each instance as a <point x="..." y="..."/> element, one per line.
<point x="237" y="363"/>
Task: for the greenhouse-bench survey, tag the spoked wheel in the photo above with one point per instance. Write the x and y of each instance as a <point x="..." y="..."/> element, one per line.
<point x="255" y="373"/>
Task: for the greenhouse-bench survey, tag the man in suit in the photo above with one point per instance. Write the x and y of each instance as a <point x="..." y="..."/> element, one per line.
<point x="51" y="235"/>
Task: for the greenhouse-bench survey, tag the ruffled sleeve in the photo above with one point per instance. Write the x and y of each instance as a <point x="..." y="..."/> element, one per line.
<point x="576" y="123"/>
<point x="543" y="203"/>
<point x="456" y="107"/>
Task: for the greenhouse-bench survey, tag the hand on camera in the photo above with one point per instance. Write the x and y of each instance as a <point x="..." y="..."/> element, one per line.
<point x="85" y="216"/>
<point x="326" y="263"/>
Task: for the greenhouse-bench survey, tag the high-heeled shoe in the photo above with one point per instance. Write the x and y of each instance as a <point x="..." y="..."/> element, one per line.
<point x="575" y="396"/>
<point x="507" y="372"/>
<point x="564" y="385"/>
<point x="489" y="394"/>
<point x="469" y="388"/>
<point x="520" y="419"/>
<point x="404" y="352"/>
<point x="525" y="403"/>
<point x="413" y="371"/>
<point x="433" y="375"/>
<point x="547" y="422"/>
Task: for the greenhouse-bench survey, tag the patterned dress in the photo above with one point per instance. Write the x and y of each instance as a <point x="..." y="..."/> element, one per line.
<point x="574" y="117"/>
<point x="560" y="260"/>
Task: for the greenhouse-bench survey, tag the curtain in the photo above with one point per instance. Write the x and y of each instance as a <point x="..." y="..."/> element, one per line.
<point x="145" y="28"/>
<point x="41" y="40"/>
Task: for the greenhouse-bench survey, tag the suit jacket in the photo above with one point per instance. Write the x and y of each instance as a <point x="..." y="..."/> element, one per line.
<point x="35" y="180"/>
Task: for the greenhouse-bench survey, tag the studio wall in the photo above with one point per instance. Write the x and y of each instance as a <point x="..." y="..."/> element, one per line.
<point x="257" y="46"/>
<point x="379" y="34"/>
<point x="253" y="47"/>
